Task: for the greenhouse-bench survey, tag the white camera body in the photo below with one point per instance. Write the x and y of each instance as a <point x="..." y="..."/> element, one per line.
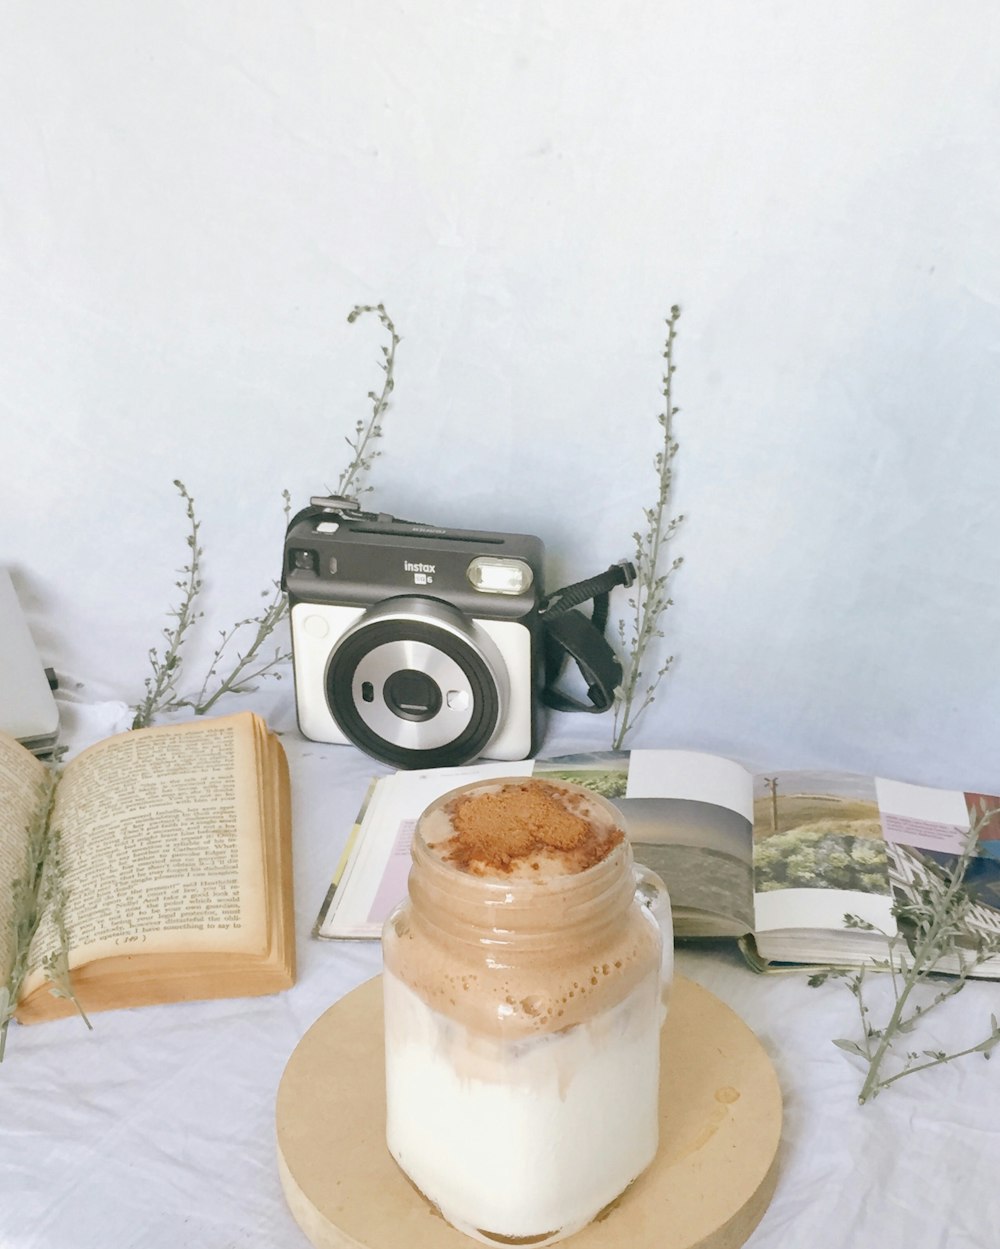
<point x="419" y="645"/>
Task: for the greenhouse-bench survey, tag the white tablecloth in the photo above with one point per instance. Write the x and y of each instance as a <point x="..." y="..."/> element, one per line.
<point x="157" y="1129"/>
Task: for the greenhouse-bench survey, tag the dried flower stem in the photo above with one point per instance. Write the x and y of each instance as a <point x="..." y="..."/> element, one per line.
<point x="161" y="687"/>
<point x="367" y="432"/>
<point x="650" y="599"/>
<point x="39" y="889"/>
<point x="250" y="666"/>
<point x="933" y="927"/>
<point x="56" y="963"/>
<point x="244" y="675"/>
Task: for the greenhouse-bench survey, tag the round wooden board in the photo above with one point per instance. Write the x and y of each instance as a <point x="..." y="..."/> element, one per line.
<point x="709" y="1185"/>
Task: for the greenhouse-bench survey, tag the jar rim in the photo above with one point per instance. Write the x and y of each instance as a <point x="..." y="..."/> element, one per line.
<point x="564" y="881"/>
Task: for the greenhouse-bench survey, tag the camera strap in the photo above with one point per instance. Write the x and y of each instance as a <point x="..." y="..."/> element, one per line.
<point x="571" y="635"/>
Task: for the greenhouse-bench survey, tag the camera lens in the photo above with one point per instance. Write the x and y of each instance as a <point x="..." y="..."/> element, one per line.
<point x="412" y="695"/>
<point x="412" y="684"/>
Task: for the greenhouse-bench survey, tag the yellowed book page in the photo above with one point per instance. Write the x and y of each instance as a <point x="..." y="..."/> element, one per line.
<point x="161" y="842"/>
<point x="21" y="779"/>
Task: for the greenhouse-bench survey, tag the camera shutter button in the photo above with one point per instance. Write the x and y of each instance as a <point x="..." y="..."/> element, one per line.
<point x="316" y="626"/>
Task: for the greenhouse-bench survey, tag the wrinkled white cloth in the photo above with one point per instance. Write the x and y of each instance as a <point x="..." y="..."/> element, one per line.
<point x="157" y="1129"/>
<point x="81" y="724"/>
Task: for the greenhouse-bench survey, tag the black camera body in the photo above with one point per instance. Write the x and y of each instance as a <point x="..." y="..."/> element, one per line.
<point x="422" y="646"/>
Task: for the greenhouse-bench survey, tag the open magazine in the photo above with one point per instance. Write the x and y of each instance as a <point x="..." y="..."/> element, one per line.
<point x="779" y="860"/>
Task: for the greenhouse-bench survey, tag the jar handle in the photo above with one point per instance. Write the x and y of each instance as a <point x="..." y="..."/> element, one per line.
<point x="652" y="894"/>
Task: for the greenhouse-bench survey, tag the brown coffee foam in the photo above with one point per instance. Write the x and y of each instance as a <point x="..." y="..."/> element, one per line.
<point x="532" y="998"/>
<point x="498" y="834"/>
<point x="531" y="825"/>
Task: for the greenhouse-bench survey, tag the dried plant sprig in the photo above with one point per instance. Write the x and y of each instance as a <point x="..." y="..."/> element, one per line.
<point x="244" y="676"/>
<point x="650" y="597"/>
<point x="55" y="964"/>
<point x="250" y="666"/>
<point x="161" y="687"/>
<point x="935" y="935"/>
<point x="366" y="433"/>
<point x="39" y="889"/>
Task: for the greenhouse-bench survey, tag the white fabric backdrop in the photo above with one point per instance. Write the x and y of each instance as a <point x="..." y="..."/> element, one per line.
<point x="193" y="197"/>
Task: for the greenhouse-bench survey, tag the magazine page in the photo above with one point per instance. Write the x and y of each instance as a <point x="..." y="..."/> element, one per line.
<point x="689" y="820"/>
<point x="378" y="862"/>
<point x="926" y="829"/>
<point x="688" y="816"/>
<point x="819" y="854"/>
<point x="832" y="845"/>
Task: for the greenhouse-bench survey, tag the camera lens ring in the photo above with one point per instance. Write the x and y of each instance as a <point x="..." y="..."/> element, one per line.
<point x="357" y="645"/>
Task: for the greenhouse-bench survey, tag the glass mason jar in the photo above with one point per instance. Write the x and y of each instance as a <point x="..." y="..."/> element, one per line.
<point x="524" y="995"/>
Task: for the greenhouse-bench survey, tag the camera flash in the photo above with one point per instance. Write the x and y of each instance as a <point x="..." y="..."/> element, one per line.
<point x="493" y="575"/>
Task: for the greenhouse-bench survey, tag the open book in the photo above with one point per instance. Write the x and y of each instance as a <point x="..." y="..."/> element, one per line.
<point x="778" y="860"/>
<point x="164" y="857"/>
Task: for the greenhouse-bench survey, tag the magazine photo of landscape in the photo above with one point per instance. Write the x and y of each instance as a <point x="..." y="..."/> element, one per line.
<point x="702" y="851"/>
<point x="605" y="772"/>
<point x="704" y="854"/>
<point x="818" y="830"/>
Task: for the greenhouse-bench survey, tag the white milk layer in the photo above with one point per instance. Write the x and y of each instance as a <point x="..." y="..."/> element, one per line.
<point x="524" y="1137"/>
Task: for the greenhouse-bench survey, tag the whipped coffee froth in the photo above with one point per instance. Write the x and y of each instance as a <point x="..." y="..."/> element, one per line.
<point x="520" y="829"/>
<point x="536" y="878"/>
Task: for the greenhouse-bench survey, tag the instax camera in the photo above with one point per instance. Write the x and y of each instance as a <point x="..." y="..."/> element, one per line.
<point x="422" y="646"/>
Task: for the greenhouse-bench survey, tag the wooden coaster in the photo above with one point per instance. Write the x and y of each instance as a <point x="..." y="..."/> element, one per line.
<point x="708" y="1187"/>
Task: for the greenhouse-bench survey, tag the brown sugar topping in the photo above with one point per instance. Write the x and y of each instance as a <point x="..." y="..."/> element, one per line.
<point x="497" y="831"/>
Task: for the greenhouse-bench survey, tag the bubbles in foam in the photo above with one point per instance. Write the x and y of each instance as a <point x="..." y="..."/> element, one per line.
<point x="521" y="829"/>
